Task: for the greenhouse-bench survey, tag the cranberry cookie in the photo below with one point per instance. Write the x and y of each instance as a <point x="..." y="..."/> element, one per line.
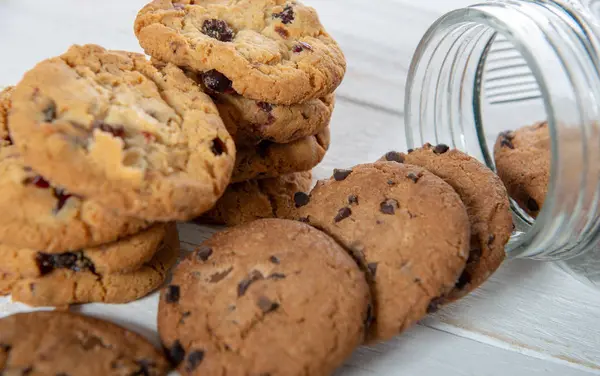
<point x="274" y="51"/>
<point x="37" y="215"/>
<point x="268" y="159"/>
<point x="64" y="343"/>
<point x="62" y="287"/>
<point x="405" y="226"/>
<point x="272" y="297"/>
<point x="487" y="204"/>
<point x="109" y="126"/>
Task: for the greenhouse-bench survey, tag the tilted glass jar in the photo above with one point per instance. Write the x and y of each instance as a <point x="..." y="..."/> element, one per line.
<point x="503" y="64"/>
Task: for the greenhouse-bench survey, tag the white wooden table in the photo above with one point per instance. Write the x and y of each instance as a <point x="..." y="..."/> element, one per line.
<point x="529" y="319"/>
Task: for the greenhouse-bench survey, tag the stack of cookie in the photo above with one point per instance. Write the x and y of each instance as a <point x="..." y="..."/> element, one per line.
<point x="99" y="152"/>
<point x="271" y="69"/>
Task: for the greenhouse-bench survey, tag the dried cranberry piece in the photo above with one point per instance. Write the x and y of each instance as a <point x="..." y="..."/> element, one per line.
<point x="217" y="81"/>
<point x="74" y="261"/>
<point x="38" y="181"/>
<point x="301" y="46"/>
<point x="287" y="15"/>
<point x="217" y="29"/>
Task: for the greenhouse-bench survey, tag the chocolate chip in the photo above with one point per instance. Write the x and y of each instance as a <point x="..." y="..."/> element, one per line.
<point x="414" y="177"/>
<point x="394" y="156"/>
<point x="144" y="370"/>
<point x="218" y="147"/>
<point x="301" y="46"/>
<point x="194" y="359"/>
<point x="277" y="276"/>
<point x="184" y="316"/>
<point x="491" y="239"/>
<point x="266" y="305"/>
<point x="275" y="260"/>
<point x="203" y="253"/>
<point x="506" y="139"/>
<point x="266" y="107"/>
<point x="243" y="286"/>
<point x="301" y="199"/>
<point x="532" y="205"/>
<point x="172" y="294"/>
<point x="115" y="130"/>
<point x="287" y="15"/>
<point x="175" y="354"/>
<point x="217" y="29"/>
<point x="50" y="112"/>
<point x="218" y="82"/>
<point x="282" y="31"/>
<point x="353" y="199"/>
<point x="342" y="214"/>
<point x="391" y="182"/>
<point x="441" y="149"/>
<point x="340" y="175"/>
<point x="373" y="268"/>
<point x="463" y="280"/>
<point x="218" y="277"/>
<point x="389" y="206"/>
<point x="434" y="305"/>
<point x="409" y="151"/>
<point x="74" y="261"/>
<point x="38" y="181"/>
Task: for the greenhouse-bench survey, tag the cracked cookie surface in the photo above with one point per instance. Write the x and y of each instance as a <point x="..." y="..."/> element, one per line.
<point x="123" y="256"/>
<point x="111" y="127"/>
<point x="523" y="163"/>
<point x="405" y="226"/>
<point x="272" y="297"/>
<point x="258" y="199"/>
<point x="487" y="203"/>
<point x="63" y="287"/>
<point x="37" y="215"/>
<point x="267" y="50"/>
<point x="64" y="343"/>
<point x="268" y="159"/>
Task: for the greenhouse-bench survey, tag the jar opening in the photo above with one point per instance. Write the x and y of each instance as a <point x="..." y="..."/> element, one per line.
<point x="502" y="65"/>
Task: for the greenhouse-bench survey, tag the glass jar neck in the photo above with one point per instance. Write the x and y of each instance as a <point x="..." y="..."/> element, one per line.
<point x="559" y="40"/>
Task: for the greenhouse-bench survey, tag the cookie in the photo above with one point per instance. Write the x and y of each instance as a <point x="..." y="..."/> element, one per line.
<point x="268" y="159"/>
<point x="405" y="226"/>
<point x="257" y="199"/>
<point x="272" y="297"/>
<point x="7" y="281"/>
<point x="64" y="343"/>
<point x="251" y="122"/>
<point x="37" y="215"/>
<point x="487" y="204"/>
<point x="123" y="256"/>
<point x="523" y="163"/>
<point x="268" y="50"/>
<point x="63" y="287"/>
<point x="111" y="127"/>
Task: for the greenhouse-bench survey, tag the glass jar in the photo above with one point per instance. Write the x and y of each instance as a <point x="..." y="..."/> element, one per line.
<point x="503" y="64"/>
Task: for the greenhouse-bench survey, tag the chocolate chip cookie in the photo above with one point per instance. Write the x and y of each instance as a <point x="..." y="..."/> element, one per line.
<point x="272" y="297"/>
<point x="523" y="163"/>
<point x="64" y="343"/>
<point x="267" y="50"/>
<point x="123" y="256"/>
<point x="405" y="226"/>
<point x="257" y="199"/>
<point x="109" y="126"/>
<point x="37" y="215"/>
<point x="268" y="159"/>
<point x="63" y="287"/>
<point x="251" y="122"/>
<point x="487" y="204"/>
